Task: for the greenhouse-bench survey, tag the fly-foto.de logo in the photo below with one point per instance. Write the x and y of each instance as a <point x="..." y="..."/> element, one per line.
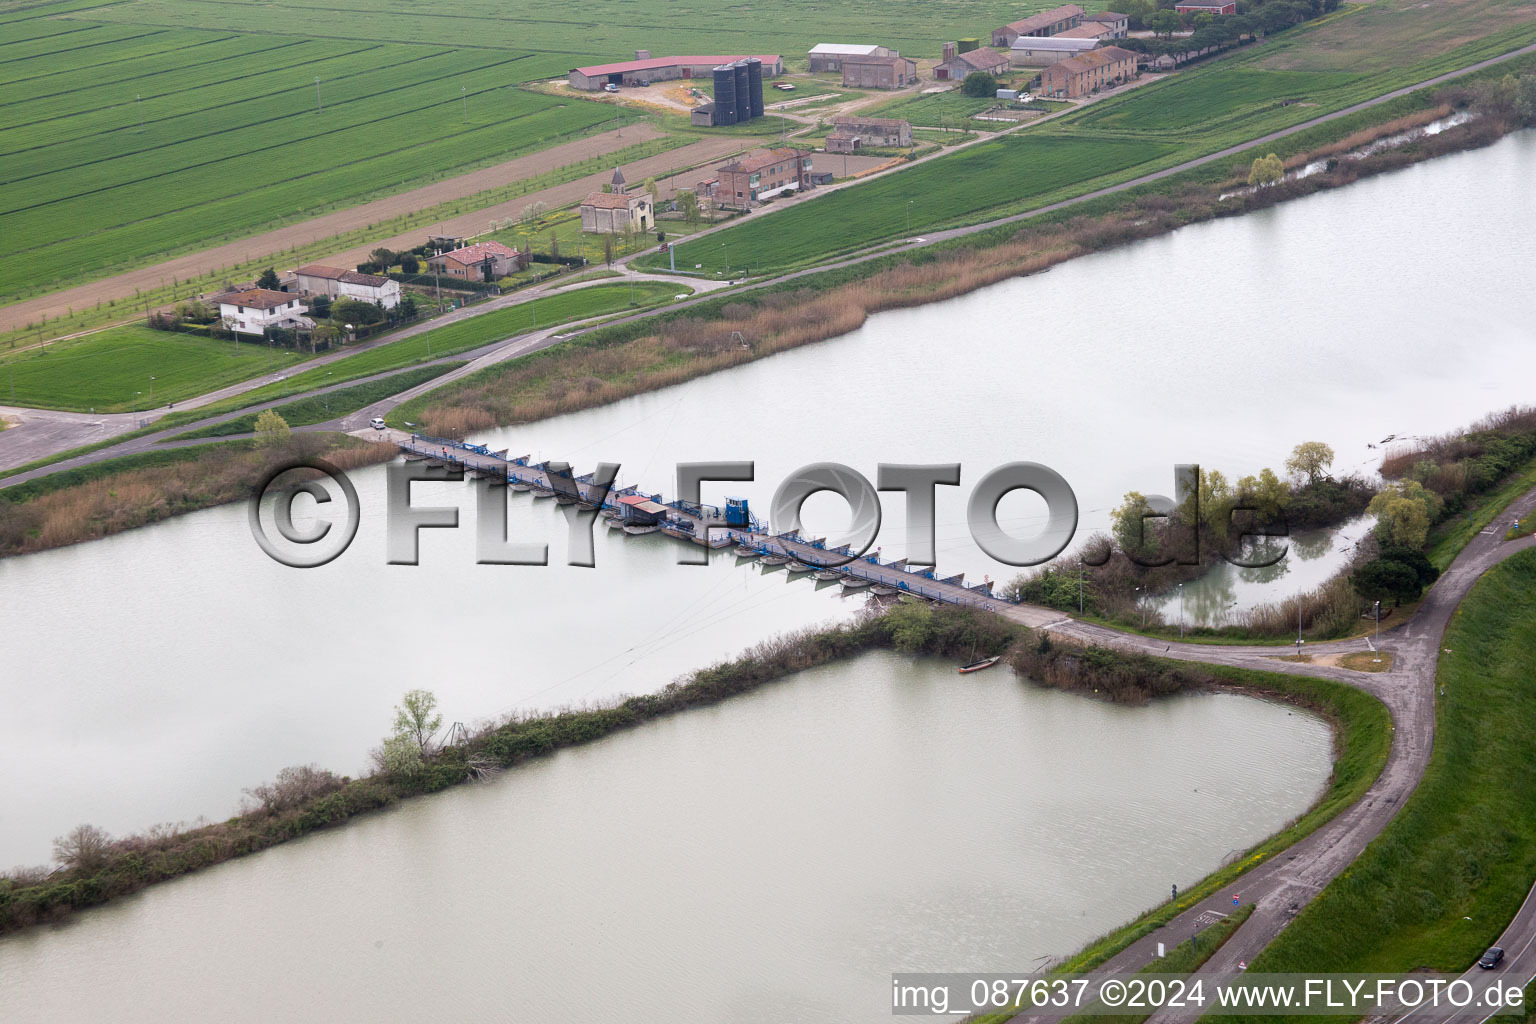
<point x="333" y="512"/>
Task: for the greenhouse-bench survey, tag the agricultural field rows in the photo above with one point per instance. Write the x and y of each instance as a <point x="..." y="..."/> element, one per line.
<point x="933" y="110"/>
<point x="1003" y="173"/>
<point x="281" y="111"/>
<point x="146" y="74"/>
<point x="232" y="144"/>
<point x="1215" y="98"/>
<point x="612" y="29"/>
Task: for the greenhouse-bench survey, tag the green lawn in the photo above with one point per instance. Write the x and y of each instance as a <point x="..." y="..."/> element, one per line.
<point x="935" y="110"/>
<point x="1447" y="875"/>
<point x="998" y="176"/>
<point x="104" y="370"/>
<point x="319" y="408"/>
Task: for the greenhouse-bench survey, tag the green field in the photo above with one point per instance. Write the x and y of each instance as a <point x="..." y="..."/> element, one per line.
<point x="110" y="371"/>
<point x="936" y="109"/>
<point x="1217" y="98"/>
<point x="116" y="152"/>
<point x="997" y="176"/>
<point x="1445" y="877"/>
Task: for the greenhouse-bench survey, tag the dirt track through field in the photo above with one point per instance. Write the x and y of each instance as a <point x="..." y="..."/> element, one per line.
<point x="192" y="265"/>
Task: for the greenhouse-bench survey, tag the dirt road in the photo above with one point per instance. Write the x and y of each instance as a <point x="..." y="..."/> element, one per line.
<point x="191" y="265"/>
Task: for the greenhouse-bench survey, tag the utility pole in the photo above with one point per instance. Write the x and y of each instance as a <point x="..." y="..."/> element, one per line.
<point x="140" y="106"/>
<point x="1181" y="613"/>
<point x="1377" y="659"/>
<point x="465" y="97"/>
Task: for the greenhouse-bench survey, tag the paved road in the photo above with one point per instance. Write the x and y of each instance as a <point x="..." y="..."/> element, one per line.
<point x="856" y="259"/>
<point x="1283" y="885"/>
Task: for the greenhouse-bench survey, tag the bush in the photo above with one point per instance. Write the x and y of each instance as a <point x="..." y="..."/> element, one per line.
<point x="980" y="85"/>
<point x="295" y="786"/>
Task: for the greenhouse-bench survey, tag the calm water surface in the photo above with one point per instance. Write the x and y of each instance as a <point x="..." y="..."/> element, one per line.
<point x="770" y="859"/>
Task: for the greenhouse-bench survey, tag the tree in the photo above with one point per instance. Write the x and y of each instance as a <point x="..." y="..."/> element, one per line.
<point x="295" y="786"/>
<point x="1266" y="492"/>
<point x="608" y="249"/>
<point x="1422" y="567"/>
<point x="1128" y="524"/>
<point x="84" y="849"/>
<point x="1137" y="11"/>
<point x="1525" y="100"/>
<point x="385" y="258"/>
<point x="268" y="279"/>
<point x="271" y="429"/>
<point x="653" y="189"/>
<point x="355" y="312"/>
<point x="554" y="246"/>
<point x="1164" y="23"/>
<point x="979" y="84"/>
<point x="1384" y="580"/>
<point x="1310" y="459"/>
<point x="409" y="264"/>
<point x="398" y="756"/>
<point x="688" y="205"/>
<point x="416" y="718"/>
<point x="1266" y="170"/>
<point x="408" y="306"/>
<point x="1404" y="512"/>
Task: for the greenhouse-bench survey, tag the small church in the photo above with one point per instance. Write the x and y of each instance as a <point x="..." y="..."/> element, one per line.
<point x="618" y="210"/>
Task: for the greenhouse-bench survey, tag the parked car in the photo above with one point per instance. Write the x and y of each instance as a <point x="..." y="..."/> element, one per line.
<point x="610" y="87"/>
<point x="377" y="423"/>
<point x="1492" y="958"/>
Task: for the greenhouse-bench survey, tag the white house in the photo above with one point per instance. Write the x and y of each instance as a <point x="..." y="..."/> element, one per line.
<point x="316" y="279"/>
<point x="256" y="310"/>
<point x="369" y="288"/>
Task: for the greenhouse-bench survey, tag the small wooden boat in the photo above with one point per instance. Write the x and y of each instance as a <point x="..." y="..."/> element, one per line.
<point x="797" y="567"/>
<point x="518" y="485"/>
<point x="977" y="666"/>
<point x="566" y="499"/>
<point x="776" y="560"/>
<point x="543" y="492"/>
<point x="853" y="583"/>
<point x="881" y="590"/>
<point x="414" y="456"/>
<point x="637" y="529"/>
<point x="745" y="552"/>
<point x="615" y="524"/>
<point x="827" y="574"/>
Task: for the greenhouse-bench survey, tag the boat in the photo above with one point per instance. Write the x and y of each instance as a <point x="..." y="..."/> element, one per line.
<point x="518" y="485"/>
<point x="543" y="492"/>
<point x="853" y="582"/>
<point x="977" y="666"/>
<point x="776" y="560"/>
<point x="826" y="574"/>
<point x="566" y="499"/>
<point x="797" y="567"/>
<point x="636" y="529"/>
<point x="745" y="552"/>
<point x="881" y="590"/>
<point x="615" y="524"/>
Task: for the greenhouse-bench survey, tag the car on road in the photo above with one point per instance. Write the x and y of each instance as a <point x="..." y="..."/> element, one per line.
<point x="1492" y="958"/>
<point x="377" y="423"/>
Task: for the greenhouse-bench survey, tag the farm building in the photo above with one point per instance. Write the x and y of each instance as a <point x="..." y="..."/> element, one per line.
<point x="479" y="262"/>
<point x="955" y="65"/>
<point x="1079" y="76"/>
<point x="1046" y="23"/>
<point x="257" y="310"/>
<point x="1207" y="7"/>
<point x="1119" y="24"/>
<point x="617" y="212"/>
<point x="661" y="69"/>
<point x="336" y="283"/>
<point x="891" y="72"/>
<point x="830" y="56"/>
<point x="851" y="134"/>
<point x="702" y="115"/>
<point x="761" y="174"/>
<point x="1032" y="52"/>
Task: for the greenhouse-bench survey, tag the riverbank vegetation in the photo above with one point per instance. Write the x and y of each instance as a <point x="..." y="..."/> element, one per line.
<point x="99" y="500"/>
<point x="1447" y="875"/>
<point x="1115" y="576"/>
<point x="412" y="762"/>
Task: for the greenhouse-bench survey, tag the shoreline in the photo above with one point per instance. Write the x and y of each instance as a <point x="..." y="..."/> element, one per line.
<point x="1356" y="721"/>
<point x="656" y="350"/>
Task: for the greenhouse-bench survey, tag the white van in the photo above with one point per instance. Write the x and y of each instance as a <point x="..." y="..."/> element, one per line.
<point x="377" y="423"/>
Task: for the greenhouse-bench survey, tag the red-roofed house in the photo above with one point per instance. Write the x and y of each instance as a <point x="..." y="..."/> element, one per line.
<point x="614" y="213"/>
<point x="479" y="262"/>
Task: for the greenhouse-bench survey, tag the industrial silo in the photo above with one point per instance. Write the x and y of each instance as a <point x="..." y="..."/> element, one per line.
<point x="755" y="84"/>
<point x="743" y="92"/>
<point x="725" y="95"/>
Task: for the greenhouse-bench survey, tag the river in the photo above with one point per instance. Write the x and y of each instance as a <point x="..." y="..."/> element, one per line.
<point x="152" y="675"/>
<point x="770" y="859"/>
